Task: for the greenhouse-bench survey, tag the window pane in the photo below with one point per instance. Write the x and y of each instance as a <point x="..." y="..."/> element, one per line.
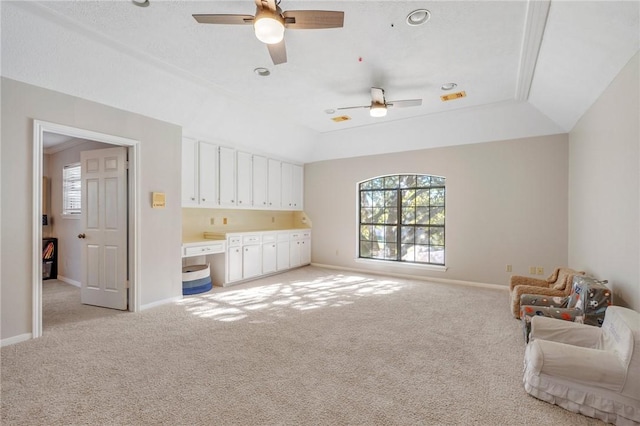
<point x="437" y="196"/>
<point x="421" y="253"/>
<point x="437" y="181"/>
<point x="422" y="197"/>
<point x="436" y="255"/>
<point x="366" y="215"/>
<point x="366" y="232"/>
<point x="423" y="180"/>
<point x="407" y="181"/>
<point x="391" y="181"/>
<point x="378" y="232"/>
<point x="408" y="197"/>
<point x="365" y="185"/>
<point x="71" y="189"/>
<point x="365" y="199"/>
<point x="437" y="215"/>
<point x="377" y="183"/>
<point x="408" y="252"/>
<point x="422" y="235"/>
<point x="408" y="234"/>
<point x="391" y="234"/>
<point x="436" y="236"/>
<point x="408" y="216"/>
<point x="422" y="215"/>
<point x="377" y="214"/>
<point x="377" y="250"/>
<point x="391" y="251"/>
<point x="377" y="198"/>
<point x="365" y="248"/>
<point x="391" y="216"/>
<point x="390" y="198"/>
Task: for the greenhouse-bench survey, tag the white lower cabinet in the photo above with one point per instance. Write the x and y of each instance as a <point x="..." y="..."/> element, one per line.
<point x="251" y="255"/>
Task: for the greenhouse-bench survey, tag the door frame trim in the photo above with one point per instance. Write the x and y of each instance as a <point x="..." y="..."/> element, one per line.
<point x="133" y="256"/>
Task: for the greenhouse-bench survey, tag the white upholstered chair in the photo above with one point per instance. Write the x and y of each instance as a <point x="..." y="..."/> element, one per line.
<point x="588" y="370"/>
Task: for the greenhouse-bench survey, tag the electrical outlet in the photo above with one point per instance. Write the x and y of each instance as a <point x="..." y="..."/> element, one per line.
<point x="273" y="219"/>
<point x="508" y="268"/>
<point x="540" y="270"/>
<point x="212" y="221"/>
<point x="532" y="270"/>
<point x="224" y="220"/>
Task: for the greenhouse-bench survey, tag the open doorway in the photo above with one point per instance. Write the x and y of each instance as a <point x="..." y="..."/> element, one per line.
<point x="47" y="135"/>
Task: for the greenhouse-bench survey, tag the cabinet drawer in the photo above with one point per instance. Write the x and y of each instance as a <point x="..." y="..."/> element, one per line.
<point x="268" y="238"/>
<point x="204" y="250"/>
<point x="251" y="239"/>
<point x="283" y="236"/>
<point x="235" y="241"/>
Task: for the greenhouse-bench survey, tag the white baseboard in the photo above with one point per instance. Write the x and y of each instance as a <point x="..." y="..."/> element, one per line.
<point x="69" y="281"/>
<point x="160" y="302"/>
<point x="15" y="339"/>
<point x="415" y="277"/>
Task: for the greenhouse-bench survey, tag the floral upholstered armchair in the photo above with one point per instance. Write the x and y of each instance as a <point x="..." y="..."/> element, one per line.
<point x="586" y="304"/>
<point x="558" y="284"/>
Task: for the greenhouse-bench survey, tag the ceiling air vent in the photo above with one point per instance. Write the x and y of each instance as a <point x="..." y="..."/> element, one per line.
<point x="340" y="118"/>
<point x="453" y="96"/>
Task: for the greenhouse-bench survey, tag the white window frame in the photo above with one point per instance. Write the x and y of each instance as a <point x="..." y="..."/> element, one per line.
<point x="67" y="211"/>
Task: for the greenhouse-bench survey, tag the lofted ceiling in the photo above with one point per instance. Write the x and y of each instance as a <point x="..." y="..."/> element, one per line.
<point x="547" y="59"/>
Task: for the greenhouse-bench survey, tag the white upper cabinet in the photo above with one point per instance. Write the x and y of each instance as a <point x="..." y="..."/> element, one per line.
<point x="199" y="174"/>
<point x="244" y="179"/>
<point x="292" y="186"/>
<point x="260" y="181"/>
<point x="189" y="173"/>
<point x="274" y="193"/>
<point x="227" y="187"/>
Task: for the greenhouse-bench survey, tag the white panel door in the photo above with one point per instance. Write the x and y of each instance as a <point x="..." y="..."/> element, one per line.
<point x="275" y="184"/>
<point x="208" y="174"/>
<point x="189" y="173"/>
<point x="297" y="187"/>
<point x="104" y="228"/>
<point x="251" y="261"/>
<point x="287" y="176"/>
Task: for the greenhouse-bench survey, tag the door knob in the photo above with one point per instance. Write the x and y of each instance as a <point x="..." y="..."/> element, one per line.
<point x="81" y="235"/>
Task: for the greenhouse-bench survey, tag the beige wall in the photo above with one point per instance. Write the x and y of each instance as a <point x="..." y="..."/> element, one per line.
<point x="160" y="230"/>
<point x="604" y="185"/>
<point x="506" y="204"/>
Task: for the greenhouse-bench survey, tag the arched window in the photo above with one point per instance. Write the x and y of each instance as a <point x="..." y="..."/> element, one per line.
<point x="402" y="218"/>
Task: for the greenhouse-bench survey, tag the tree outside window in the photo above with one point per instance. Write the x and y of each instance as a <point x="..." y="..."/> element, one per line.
<point x="402" y="219"/>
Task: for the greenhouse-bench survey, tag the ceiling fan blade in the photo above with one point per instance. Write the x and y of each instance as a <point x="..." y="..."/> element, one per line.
<point x="354" y="107"/>
<point x="224" y="19"/>
<point x="405" y="103"/>
<point x="313" y="19"/>
<point x="377" y="95"/>
<point x="266" y="4"/>
<point x="278" y="53"/>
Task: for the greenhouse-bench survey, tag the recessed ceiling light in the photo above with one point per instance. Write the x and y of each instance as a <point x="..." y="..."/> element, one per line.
<point x="141" y="3"/>
<point x="262" y="72"/>
<point x="329" y="111"/>
<point x="418" y="17"/>
<point x="449" y="86"/>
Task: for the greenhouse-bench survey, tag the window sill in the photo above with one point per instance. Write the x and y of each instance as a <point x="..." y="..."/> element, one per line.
<point x="402" y="264"/>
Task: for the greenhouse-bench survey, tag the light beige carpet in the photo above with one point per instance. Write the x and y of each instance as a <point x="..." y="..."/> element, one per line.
<point x="308" y="347"/>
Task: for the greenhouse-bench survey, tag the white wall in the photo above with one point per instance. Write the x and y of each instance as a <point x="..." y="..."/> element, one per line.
<point x="66" y="229"/>
<point x="506" y="204"/>
<point x="604" y="185"/>
<point x="159" y="229"/>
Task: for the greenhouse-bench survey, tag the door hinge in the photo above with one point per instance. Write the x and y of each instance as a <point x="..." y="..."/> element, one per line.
<point x="126" y="165"/>
<point x="127" y="284"/>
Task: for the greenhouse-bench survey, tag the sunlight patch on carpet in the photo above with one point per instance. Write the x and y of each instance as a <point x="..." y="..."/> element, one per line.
<point x="331" y="291"/>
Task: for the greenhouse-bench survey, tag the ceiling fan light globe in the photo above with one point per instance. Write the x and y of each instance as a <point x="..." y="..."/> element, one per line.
<point x="269" y="29"/>
<point x="377" y="110"/>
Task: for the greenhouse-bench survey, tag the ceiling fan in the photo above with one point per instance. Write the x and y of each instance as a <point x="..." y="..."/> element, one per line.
<point x="379" y="104"/>
<point x="270" y="22"/>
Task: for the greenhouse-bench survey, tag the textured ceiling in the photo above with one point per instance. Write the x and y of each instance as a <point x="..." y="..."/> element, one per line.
<point x="489" y="48"/>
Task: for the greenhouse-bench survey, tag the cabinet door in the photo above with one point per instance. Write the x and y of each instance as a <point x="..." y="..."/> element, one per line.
<point x="297" y="187"/>
<point x="189" y="173"/>
<point x="283" y="255"/>
<point x="227" y="183"/>
<point x="251" y="261"/>
<point x="294" y="253"/>
<point x="275" y="191"/>
<point x="269" y="256"/>
<point x="287" y="173"/>
<point x="260" y="180"/>
<point x="208" y="174"/>
<point x="244" y="179"/>
<point x="305" y="251"/>
<point x="234" y="263"/>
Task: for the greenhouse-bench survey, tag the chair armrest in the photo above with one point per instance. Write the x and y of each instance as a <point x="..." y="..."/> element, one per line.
<point x="571" y="333"/>
<point x="542" y="291"/>
<point x="539" y="300"/>
<point x="591" y="367"/>
<point x="517" y="280"/>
